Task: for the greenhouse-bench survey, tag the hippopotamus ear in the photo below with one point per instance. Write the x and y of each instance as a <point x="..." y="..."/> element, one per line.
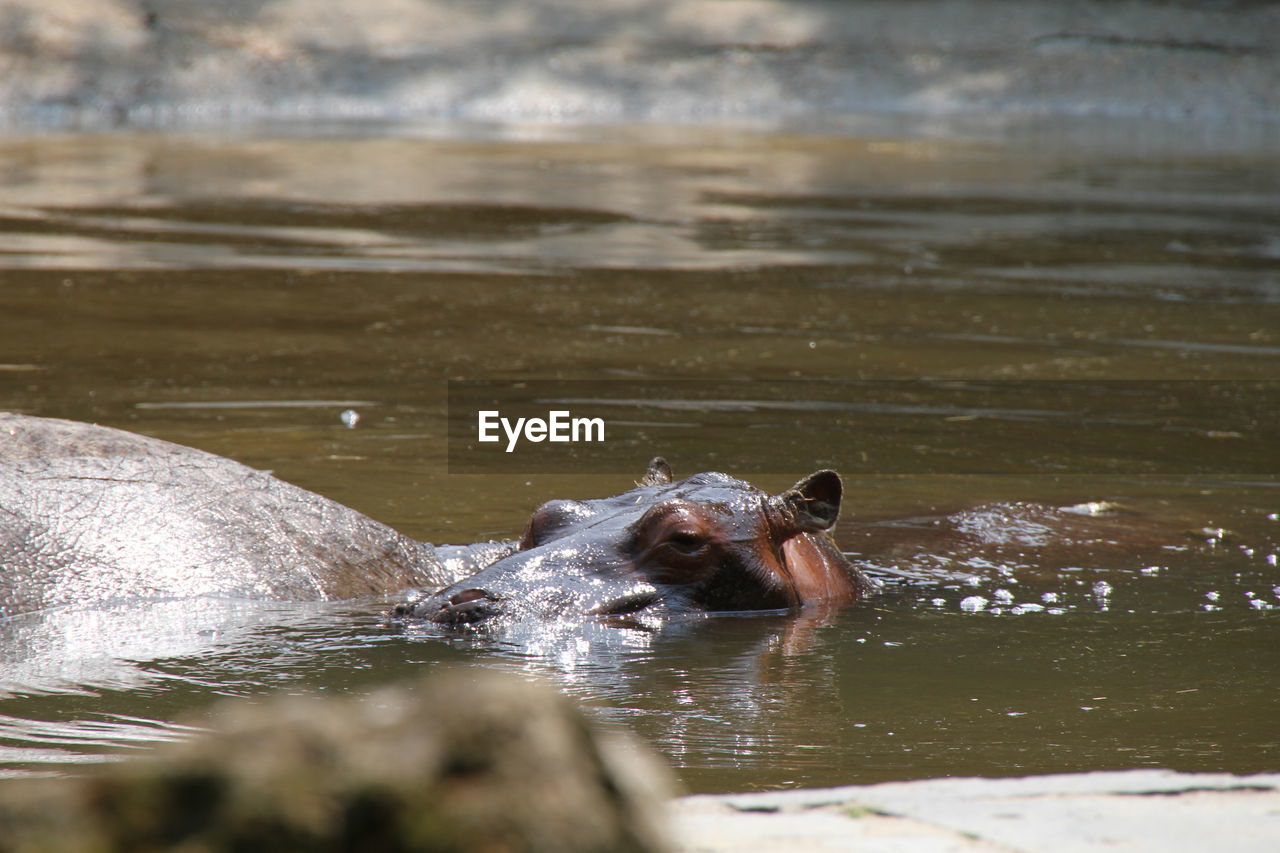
<point x="812" y="504"/>
<point x="658" y="473"/>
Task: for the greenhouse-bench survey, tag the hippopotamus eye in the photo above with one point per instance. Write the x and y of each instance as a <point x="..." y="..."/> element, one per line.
<point x="676" y="542"/>
<point x="686" y="542"/>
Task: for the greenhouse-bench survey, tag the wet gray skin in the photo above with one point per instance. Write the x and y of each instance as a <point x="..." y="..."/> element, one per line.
<point x="93" y="516"/>
<point x="710" y="542"/>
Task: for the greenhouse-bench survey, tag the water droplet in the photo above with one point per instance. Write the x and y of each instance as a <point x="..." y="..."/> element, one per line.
<point x="349" y="418"/>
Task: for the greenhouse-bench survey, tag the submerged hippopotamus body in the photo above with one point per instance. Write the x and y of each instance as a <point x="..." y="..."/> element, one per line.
<point x="92" y="516"/>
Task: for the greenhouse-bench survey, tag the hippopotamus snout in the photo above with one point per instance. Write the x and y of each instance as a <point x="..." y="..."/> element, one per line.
<point x="459" y="608"/>
<point x="709" y="542"/>
<point x="471" y="606"/>
<point x="545" y="583"/>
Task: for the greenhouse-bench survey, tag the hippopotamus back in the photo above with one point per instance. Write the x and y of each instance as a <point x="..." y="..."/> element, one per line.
<point x="91" y="515"/>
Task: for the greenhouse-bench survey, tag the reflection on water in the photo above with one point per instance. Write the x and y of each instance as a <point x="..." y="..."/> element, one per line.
<point x="241" y="294"/>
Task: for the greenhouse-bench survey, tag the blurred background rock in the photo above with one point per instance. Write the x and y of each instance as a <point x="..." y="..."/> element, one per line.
<point x="166" y="62"/>
<point x="466" y="760"/>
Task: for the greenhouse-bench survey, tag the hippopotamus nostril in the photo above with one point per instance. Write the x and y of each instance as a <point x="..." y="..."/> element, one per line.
<point x="468" y="595"/>
<point x="466" y="606"/>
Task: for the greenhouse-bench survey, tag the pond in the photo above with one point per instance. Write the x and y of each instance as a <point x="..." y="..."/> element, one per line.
<point x="977" y="326"/>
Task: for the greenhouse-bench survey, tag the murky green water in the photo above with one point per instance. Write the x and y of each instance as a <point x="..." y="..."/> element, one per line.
<point x="238" y="293"/>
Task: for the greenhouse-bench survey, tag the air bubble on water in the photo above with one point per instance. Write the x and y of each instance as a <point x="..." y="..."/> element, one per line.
<point x="1003" y="596"/>
<point x="937" y="602"/>
<point x="1249" y="594"/>
<point x="349" y="418"/>
<point x="973" y="580"/>
<point x="1273" y="516"/>
<point x="973" y="603"/>
<point x="1275" y="590"/>
<point x="1150" y="570"/>
<point x="1259" y="604"/>
<point x="1055" y="611"/>
<point x="1210" y="607"/>
<point x="1026" y="607"/>
<point x="1048" y="597"/>
<point x="1271" y="559"/>
<point x="1212" y="595"/>
<point x="1101" y="589"/>
<point x="1248" y="552"/>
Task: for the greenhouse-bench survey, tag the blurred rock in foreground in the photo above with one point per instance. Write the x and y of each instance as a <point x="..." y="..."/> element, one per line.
<point x="466" y="760"/>
<point x="175" y="62"/>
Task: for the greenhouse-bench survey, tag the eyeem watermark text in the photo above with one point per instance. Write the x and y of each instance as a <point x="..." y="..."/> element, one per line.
<point x="558" y="426"/>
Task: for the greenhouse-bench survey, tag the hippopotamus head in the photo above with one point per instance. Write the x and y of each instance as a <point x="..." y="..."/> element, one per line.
<point x="710" y="542"/>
